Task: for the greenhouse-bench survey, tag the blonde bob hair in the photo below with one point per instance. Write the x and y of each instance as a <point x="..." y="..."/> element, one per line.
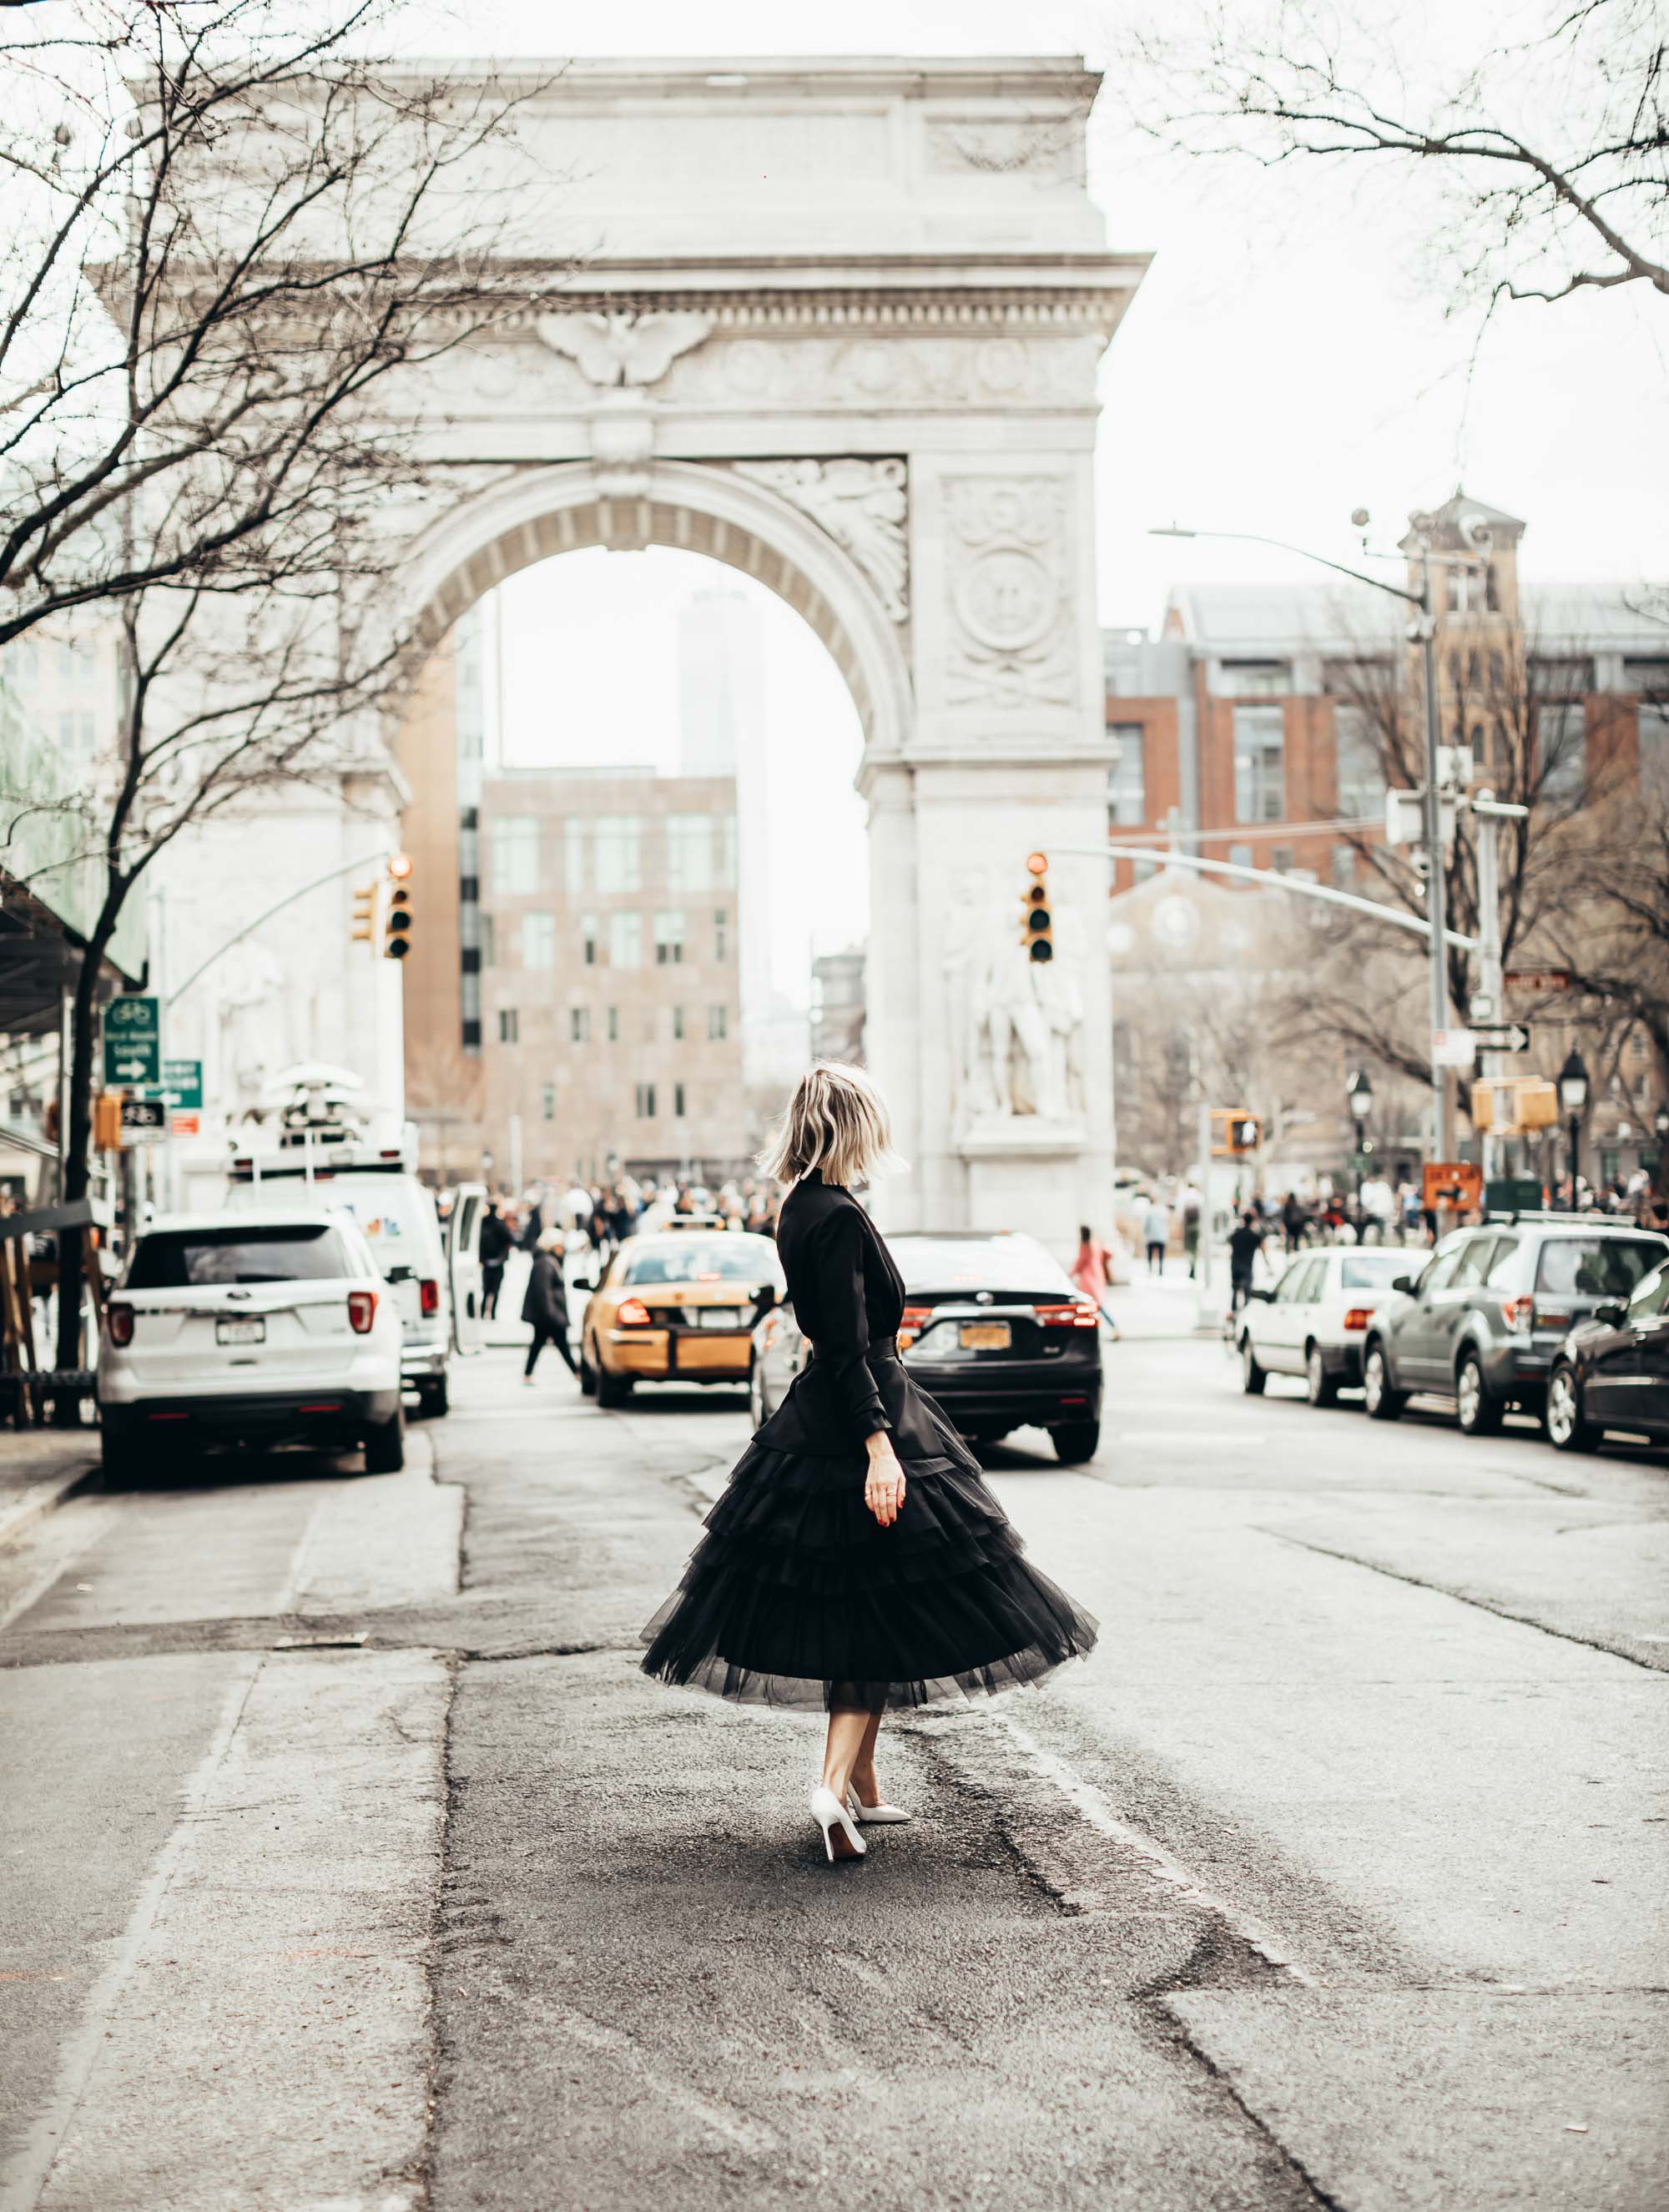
<point x="836" y="1122"/>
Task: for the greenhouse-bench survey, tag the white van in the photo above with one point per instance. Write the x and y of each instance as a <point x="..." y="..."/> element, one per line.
<point x="435" y="1275"/>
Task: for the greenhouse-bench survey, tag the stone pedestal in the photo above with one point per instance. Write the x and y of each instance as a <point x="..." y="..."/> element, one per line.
<point x="1026" y="1172"/>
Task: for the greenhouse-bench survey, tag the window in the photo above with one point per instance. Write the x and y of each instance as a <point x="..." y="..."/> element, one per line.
<point x="625" y="938"/>
<point x="728" y="852"/>
<point x="1562" y="742"/>
<point x="254" y="1252"/>
<point x="77" y="737"/>
<point x="1651" y="1296"/>
<point x="1255" y="679"/>
<point x="646" y="1102"/>
<point x="1342" y="861"/>
<point x="1595" y="1266"/>
<point x="1503" y="1264"/>
<point x="509" y="1026"/>
<point x="678" y="1100"/>
<point x="1561" y="676"/>
<point x="668" y="939"/>
<point x="1476" y="1260"/>
<point x="692" y="851"/>
<point x="1281" y="859"/>
<point x="1239" y="856"/>
<point x="539" y="940"/>
<point x="1260" y="777"/>
<point x="547" y="1100"/>
<point x="579" y="1025"/>
<point x="678" y="1024"/>
<point x="1360" y="761"/>
<point x="620" y="852"/>
<point x="1143" y="872"/>
<point x="1650" y="678"/>
<point x="1127" y="786"/>
<point x="514" y="846"/>
<point x="718" y="1022"/>
<point x="722" y="932"/>
<point x="488" y="928"/>
<point x="588" y="938"/>
<point x="613" y="1025"/>
<point x="1440" y="1269"/>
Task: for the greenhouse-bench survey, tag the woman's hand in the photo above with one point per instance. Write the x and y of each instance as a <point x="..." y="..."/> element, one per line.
<point x="883" y="1487"/>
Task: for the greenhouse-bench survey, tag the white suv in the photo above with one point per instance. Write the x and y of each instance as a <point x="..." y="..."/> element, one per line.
<point x="252" y="1330"/>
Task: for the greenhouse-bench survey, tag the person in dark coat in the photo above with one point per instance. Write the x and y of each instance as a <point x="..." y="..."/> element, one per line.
<point x="496" y="1242"/>
<point x="545" y="1305"/>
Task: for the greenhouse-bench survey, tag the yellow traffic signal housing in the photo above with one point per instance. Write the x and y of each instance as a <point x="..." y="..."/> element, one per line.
<point x="365" y="915"/>
<point x="397" y="929"/>
<point x="108" y="1121"/>
<point x="1233" y="1131"/>
<point x="1036" y="922"/>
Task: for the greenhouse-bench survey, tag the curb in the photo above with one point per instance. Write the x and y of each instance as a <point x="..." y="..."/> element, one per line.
<point x="45" y="1498"/>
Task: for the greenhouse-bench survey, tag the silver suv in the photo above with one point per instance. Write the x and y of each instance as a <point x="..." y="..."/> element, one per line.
<point x="1482" y="1321"/>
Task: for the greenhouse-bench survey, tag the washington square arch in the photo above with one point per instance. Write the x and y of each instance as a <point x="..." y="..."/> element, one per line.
<point x="838" y="324"/>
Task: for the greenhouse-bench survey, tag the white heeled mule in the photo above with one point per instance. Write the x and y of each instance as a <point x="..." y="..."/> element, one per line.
<point x="829" y="1814"/>
<point x="874" y="1816"/>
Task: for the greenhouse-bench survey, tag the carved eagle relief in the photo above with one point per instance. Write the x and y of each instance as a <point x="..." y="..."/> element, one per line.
<point x="623" y="348"/>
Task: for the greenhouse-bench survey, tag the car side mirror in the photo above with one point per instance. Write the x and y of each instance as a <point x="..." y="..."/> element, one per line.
<point x="1403" y="1283"/>
<point x="764" y="1299"/>
<point x="1611" y="1311"/>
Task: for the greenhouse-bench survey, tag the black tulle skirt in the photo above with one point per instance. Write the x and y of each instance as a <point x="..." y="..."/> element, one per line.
<point x="797" y="1597"/>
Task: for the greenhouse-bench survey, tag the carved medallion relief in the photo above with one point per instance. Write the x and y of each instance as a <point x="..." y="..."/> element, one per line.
<point x="1009" y="565"/>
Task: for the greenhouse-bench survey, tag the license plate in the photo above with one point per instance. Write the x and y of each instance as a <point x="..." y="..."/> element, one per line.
<point x="239" y="1332"/>
<point x="718" y="1317"/>
<point x="986" y="1336"/>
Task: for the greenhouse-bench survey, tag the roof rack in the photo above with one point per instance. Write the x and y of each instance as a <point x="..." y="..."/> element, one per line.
<point x="1513" y="1216"/>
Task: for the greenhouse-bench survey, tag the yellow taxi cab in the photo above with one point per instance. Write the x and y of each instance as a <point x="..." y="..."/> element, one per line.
<point x="675" y="1306"/>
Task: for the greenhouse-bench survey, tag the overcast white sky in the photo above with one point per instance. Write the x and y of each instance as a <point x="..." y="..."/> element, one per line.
<point x="1281" y="363"/>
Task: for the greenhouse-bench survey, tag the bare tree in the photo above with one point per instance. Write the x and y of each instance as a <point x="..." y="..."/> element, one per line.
<point x="1554" y="153"/>
<point x="238" y="237"/>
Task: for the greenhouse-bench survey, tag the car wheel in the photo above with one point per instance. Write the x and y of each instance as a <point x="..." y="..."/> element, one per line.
<point x="1252" y="1377"/>
<point x="384" y="1444"/>
<point x="756" y="1393"/>
<point x="1568" y="1429"/>
<point x="127" y="1459"/>
<point x="611" y="1390"/>
<point x="1322" y="1387"/>
<point x="1382" y="1400"/>
<point x="1480" y="1412"/>
<point x="587" y="1375"/>
<point x="1076" y="1441"/>
<point x="434" y="1396"/>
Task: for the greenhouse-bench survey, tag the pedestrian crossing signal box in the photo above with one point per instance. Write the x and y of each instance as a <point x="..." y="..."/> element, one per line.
<point x="1234" y="1131"/>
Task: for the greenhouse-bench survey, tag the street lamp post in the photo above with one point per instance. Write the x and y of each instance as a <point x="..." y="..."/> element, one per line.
<point x="1574" y="1096"/>
<point x="1423" y="631"/>
<point x="1359" y="1095"/>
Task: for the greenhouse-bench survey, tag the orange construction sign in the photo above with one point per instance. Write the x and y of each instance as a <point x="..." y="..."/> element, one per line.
<point x="1452" y="1187"/>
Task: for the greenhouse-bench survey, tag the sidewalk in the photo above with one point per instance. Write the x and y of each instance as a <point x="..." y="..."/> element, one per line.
<point x="38" y="1468"/>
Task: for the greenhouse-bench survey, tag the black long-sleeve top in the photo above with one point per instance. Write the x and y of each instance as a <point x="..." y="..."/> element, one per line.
<point x="847" y="1294"/>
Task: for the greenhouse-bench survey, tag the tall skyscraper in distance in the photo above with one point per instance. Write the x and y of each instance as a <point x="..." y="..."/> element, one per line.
<point x="721" y="731"/>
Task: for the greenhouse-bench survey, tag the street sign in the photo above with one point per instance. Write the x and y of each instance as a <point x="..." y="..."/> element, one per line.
<point x="1537" y="979"/>
<point x="189" y="1124"/>
<point x="132" y="1041"/>
<point x="1501" y="1037"/>
<point x="183" y="1081"/>
<point x="145" y="1121"/>
<point x="1453" y="1049"/>
<point x="1450" y="1186"/>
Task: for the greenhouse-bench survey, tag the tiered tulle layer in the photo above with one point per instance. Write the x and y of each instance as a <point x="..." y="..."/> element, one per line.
<point x="797" y="1597"/>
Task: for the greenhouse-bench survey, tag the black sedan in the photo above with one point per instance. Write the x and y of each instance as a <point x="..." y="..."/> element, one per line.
<point x="1612" y="1371"/>
<point x="993" y="1328"/>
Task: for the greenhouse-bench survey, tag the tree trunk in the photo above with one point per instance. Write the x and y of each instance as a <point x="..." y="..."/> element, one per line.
<point x="78" y="1151"/>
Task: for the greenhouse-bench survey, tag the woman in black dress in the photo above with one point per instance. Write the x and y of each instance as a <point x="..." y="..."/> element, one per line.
<point x="856" y="1559"/>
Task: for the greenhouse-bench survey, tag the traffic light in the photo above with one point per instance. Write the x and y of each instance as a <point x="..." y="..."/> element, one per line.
<point x="1234" y="1131"/>
<point x="397" y="930"/>
<point x="365" y="915"/>
<point x="1036" y="922"/>
<point x="108" y="1121"/>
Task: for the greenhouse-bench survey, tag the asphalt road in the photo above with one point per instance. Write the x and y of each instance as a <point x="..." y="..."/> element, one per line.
<point x="351" y="1865"/>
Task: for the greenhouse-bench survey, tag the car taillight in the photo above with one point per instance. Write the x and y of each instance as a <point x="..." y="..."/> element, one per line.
<point x="1358" y="1316"/>
<point x="362" y="1311"/>
<point x="1082" y="1313"/>
<point x="428" y="1295"/>
<point x="121" y="1324"/>
<point x="633" y="1314"/>
<point x="911" y="1323"/>
<point x="1516" y="1312"/>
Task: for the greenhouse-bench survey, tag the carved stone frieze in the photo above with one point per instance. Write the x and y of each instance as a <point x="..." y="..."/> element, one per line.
<point x="1047" y="147"/>
<point x="1010" y="571"/>
<point x="862" y="505"/>
<point x="978" y="369"/>
<point x="623" y="347"/>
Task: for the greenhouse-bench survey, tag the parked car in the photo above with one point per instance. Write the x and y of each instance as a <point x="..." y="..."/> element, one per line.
<point x="1612" y="1371"/>
<point x="257" y="1330"/>
<point x="1482" y="1322"/>
<point x="675" y="1306"/>
<point x="1314" y="1322"/>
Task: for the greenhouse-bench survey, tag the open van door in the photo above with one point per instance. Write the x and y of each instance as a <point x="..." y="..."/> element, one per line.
<point x="463" y="1250"/>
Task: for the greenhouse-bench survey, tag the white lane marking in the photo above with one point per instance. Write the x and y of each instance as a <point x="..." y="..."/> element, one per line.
<point x="28" y="2169"/>
<point x="1093" y="1807"/>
